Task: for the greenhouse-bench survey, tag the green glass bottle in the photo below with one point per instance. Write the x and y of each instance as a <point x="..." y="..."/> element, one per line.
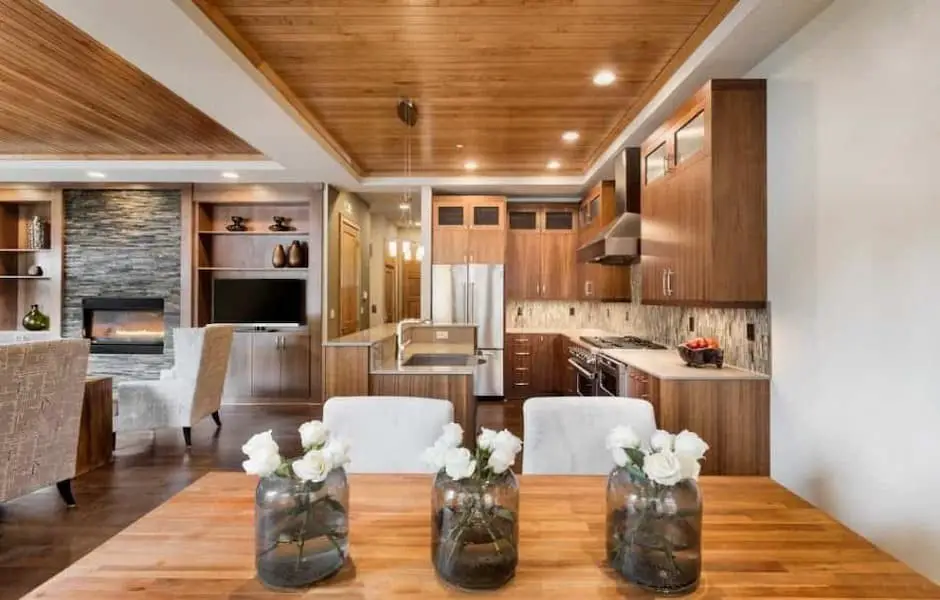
<point x="35" y="320"/>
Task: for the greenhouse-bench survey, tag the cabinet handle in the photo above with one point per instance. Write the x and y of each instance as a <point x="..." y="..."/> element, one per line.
<point x="664" y="282"/>
<point x="522" y="354"/>
<point x="522" y="340"/>
<point x="669" y="274"/>
<point x="471" y="258"/>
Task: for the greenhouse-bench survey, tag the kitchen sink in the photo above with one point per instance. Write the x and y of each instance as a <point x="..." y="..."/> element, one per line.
<point x="441" y="360"/>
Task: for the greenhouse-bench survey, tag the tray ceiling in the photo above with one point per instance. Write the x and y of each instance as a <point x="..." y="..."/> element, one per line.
<point x="63" y="94"/>
<point x="496" y="81"/>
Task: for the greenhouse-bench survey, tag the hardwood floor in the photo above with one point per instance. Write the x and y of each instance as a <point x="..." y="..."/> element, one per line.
<point x="39" y="536"/>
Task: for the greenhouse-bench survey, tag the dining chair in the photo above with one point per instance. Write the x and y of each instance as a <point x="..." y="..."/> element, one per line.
<point x="387" y="434"/>
<point x="185" y="394"/>
<point x="566" y="435"/>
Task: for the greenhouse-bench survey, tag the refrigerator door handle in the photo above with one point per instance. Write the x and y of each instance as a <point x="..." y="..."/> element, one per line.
<point x="471" y="304"/>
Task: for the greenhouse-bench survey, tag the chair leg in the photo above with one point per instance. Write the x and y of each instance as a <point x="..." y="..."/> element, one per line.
<point x="187" y="436"/>
<point x="65" y="490"/>
<point x="215" y="417"/>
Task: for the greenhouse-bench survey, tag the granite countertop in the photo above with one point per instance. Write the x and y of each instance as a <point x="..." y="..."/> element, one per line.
<point x="573" y="334"/>
<point x="366" y="337"/>
<point x="666" y="364"/>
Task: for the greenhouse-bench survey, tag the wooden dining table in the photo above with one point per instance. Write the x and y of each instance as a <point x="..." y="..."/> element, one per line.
<point x="759" y="541"/>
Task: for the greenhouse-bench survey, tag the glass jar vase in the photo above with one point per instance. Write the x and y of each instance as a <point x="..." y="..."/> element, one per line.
<point x="301" y="529"/>
<point x="475" y="530"/>
<point x="654" y="533"/>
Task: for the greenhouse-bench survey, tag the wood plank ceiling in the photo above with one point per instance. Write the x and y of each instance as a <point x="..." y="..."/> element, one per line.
<point x="501" y="78"/>
<point x="63" y="94"/>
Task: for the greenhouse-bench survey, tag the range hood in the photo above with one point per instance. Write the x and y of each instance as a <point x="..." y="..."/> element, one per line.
<point x="619" y="242"/>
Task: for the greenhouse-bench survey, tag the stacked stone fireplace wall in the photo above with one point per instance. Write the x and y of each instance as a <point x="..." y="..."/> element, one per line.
<point x="123" y="243"/>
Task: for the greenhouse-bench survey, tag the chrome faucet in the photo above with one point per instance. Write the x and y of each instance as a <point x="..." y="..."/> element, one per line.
<point x="400" y="331"/>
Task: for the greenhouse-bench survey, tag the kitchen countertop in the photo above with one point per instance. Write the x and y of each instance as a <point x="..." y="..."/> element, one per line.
<point x="666" y="364"/>
<point x="388" y="365"/>
<point x="574" y="334"/>
<point x="366" y="337"/>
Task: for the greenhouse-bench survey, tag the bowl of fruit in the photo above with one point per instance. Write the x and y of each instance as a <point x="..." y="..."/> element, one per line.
<point x="700" y="351"/>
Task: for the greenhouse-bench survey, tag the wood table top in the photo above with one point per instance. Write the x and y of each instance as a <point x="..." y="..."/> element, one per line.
<point x="759" y="541"/>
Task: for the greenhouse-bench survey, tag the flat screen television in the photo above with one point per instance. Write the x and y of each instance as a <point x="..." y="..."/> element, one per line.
<point x="259" y="301"/>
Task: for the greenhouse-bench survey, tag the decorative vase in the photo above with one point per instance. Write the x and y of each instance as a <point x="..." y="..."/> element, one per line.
<point x="34" y="271"/>
<point x="654" y="533"/>
<point x="34" y="320"/>
<point x="237" y="224"/>
<point x="36" y="233"/>
<point x="280" y="224"/>
<point x="295" y="255"/>
<point x="301" y="529"/>
<point x="475" y="530"/>
<point x="279" y="259"/>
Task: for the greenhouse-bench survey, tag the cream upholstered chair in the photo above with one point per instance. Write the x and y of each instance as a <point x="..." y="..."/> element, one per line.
<point x="566" y="436"/>
<point x="41" y="390"/>
<point x="185" y="394"/>
<point x="387" y="434"/>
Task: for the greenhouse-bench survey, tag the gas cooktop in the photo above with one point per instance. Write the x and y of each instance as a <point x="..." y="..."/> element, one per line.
<point x="627" y="342"/>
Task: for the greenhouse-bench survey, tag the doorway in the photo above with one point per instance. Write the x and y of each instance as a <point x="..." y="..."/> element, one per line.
<point x="391" y="291"/>
<point x="350" y="276"/>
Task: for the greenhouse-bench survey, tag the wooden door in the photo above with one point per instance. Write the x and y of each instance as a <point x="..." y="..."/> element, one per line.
<point x="391" y="292"/>
<point x="449" y="246"/>
<point x="655" y="240"/>
<point x="266" y="365"/>
<point x="543" y="364"/>
<point x="238" y="376"/>
<point x="689" y="213"/>
<point x="294" y="356"/>
<point x="411" y="290"/>
<point x="486" y="246"/>
<point x="523" y="278"/>
<point x="350" y="278"/>
<point x="559" y="266"/>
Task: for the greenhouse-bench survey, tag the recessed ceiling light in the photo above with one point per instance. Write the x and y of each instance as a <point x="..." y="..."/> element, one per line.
<point x="604" y="77"/>
<point x="460" y="146"/>
<point x="229" y="174"/>
<point x="470" y="165"/>
<point x="404" y="206"/>
<point x="96" y="174"/>
<point x="570" y="136"/>
<point x="553" y="165"/>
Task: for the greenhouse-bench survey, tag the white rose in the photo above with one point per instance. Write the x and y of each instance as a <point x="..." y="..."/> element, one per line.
<point x="620" y="456"/>
<point x="313" y="434"/>
<point x="262" y="464"/>
<point x="500" y="461"/>
<point x="336" y="453"/>
<point x="689" y="467"/>
<point x="486" y="438"/>
<point x="663" y="468"/>
<point x="661" y="440"/>
<point x="622" y="436"/>
<point x="452" y="436"/>
<point x="314" y="466"/>
<point x="506" y="443"/>
<point x="690" y="444"/>
<point x="263" y="455"/>
<point x="459" y="464"/>
<point x="435" y="456"/>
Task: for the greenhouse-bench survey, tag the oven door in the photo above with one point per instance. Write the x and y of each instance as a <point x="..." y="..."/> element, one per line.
<point x="585" y="379"/>
<point x="608" y="381"/>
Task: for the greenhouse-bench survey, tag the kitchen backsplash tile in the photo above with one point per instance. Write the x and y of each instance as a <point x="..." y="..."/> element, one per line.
<point x="667" y="325"/>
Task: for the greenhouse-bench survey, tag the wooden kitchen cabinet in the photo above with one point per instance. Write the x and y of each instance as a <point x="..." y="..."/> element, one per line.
<point x="268" y="365"/>
<point x="540" y="255"/>
<point x="595" y="281"/>
<point x="543" y="365"/>
<point x="732" y="416"/>
<point x="531" y="365"/>
<point x="567" y="384"/>
<point x="704" y="200"/>
<point x="468" y="229"/>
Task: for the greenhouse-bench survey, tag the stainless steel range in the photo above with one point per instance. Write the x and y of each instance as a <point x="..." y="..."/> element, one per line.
<point x="601" y="375"/>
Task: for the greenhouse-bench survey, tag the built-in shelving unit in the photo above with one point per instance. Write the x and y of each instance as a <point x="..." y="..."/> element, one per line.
<point x="255" y="269"/>
<point x="18" y="290"/>
<point x="271" y="233"/>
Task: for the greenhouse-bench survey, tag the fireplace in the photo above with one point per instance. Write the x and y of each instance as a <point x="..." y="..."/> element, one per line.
<point x="123" y="325"/>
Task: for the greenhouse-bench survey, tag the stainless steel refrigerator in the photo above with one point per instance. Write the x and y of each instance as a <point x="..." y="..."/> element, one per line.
<point x="474" y="294"/>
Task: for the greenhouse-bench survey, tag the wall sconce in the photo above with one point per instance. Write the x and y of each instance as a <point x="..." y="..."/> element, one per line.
<point x="406" y="250"/>
<point x="419" y="255"/>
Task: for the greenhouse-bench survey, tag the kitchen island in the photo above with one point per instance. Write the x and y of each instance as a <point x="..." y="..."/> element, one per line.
<point x="438" y="361"/>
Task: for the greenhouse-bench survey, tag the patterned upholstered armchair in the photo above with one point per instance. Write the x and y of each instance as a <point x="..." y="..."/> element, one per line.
<point x="41" y="390"/>
<point x="184" y="395"/>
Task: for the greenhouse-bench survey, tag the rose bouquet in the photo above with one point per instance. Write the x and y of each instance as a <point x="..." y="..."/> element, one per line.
<point x="654" y="509"/>
<point x="301" y="524"/>
<point x="474" y="521"/>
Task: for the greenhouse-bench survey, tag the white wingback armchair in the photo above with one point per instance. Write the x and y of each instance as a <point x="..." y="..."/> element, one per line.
<point x="185" y="394"/>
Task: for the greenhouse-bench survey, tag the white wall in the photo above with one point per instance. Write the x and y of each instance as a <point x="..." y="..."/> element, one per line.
<point x="854" y="281"/>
